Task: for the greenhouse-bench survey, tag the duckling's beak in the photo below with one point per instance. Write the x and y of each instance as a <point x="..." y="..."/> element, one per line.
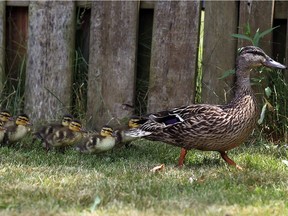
<point x="273" y="64"/>
<point x="11" y="118"/>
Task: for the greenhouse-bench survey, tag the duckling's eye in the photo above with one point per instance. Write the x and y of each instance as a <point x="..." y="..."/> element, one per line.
<point x="76" y="125"/>
<point x="23" y="119"/>
<point x="108" y="130"/>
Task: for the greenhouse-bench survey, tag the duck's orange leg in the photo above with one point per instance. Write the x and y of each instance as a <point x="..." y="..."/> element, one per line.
<point x="229" y="161"/>
<point x="182" y="157"/>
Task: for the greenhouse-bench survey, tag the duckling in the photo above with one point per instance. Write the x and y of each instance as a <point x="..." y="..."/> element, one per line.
<point x="136" y="122"/>
<point x="98" y="143"/>
<point x="65" y="136"/>
<point x="210" y="127"/>
<point x="44" y="131"/>
<point x="17" y="131"/>
<point x="6" y="118"/>
<point x="122" y="138"/>
<point x="2" y="131"/>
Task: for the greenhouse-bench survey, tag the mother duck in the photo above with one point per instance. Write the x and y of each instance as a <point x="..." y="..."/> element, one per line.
<point x="209" y="127"/>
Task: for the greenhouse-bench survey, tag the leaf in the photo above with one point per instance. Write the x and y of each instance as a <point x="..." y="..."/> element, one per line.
<point x="259" y="35"/>
<point x="248" y="29"/>
<point x="256" y="38"/>
<point x="270" y="107"/>
<point x="227" y="73"/>
<point x="262" y="34"/>
<point x="261" y="119"/>
<point x="241" y="36"/>
<point x="158" y="168"/>
<point x="268" y="91"/>
<point x="285" y="162"/>
<point x="97" y="201"/>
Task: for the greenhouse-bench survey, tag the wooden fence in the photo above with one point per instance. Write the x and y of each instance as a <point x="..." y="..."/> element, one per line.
<point x="111" y="44"/>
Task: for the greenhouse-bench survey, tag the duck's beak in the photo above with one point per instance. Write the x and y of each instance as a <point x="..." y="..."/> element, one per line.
<point x="273" y="64"/>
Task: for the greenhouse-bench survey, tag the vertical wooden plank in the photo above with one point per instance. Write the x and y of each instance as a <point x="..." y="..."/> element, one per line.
<point x="174" y="54"/>
<point x="219" y="50"/>
<point x="50" y="56"/>
<point x="259" y="14"/>
<point x="2" y="42"/>
<point x="111" y="76"/>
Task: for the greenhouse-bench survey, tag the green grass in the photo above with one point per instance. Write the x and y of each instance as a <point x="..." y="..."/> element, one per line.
<point x="36" y="183"/>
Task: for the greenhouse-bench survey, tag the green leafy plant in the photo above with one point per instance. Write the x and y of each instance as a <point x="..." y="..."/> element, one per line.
<point x="255" y="39"/>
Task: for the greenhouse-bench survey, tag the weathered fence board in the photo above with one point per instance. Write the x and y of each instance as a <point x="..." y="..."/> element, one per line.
<point x="174" y="54"/>
<point x="50" y="56"/>
<point x="111" y="77"/>
<point x="219" y="50"/>
<point x="264" y="11"/>
<point x="2" y="42"/>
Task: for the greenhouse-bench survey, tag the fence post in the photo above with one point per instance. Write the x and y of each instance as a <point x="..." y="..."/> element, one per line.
<point x="219" y="50"/>
<point x="112" y="61"/>
<point x="2" y="42"/>
<point x="174" y="54"/>
<point x="50" y="58"/>
<point x="264" y="11"/>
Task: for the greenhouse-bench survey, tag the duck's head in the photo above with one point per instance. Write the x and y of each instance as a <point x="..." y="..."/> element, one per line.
<point x="5" y="116"/>
<point x="66" y="120"/>
<point x="106" y="131"/>
<point x="251" y="57"/>
<point x="76" y="126"/>
<point x="23" y="119"/>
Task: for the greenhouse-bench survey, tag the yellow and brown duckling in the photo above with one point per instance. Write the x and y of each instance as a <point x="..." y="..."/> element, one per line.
<point x="65" y="136"/>
<point x="6" y="118"/>
<point x="98" y="143"/>
<point x="17" y="131"/>
<point x="209" y="127"/>
<point x="44" y="131"/>
<point x="122" y="138"/>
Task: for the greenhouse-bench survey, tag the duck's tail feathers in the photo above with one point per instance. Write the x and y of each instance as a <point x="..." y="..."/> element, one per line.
<point x="136" y="132"/>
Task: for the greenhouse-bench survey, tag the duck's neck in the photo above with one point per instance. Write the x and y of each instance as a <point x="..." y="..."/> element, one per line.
<point x="243" y="85"/>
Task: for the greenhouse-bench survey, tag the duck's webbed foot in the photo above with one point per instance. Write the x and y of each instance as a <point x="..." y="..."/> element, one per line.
<point x="229" y="161"/>
<point x="182" y="157"/>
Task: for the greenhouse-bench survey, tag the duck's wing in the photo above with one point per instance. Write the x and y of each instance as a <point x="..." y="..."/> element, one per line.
<point x="194" y="113"/>
<point x="182" y="120"/>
